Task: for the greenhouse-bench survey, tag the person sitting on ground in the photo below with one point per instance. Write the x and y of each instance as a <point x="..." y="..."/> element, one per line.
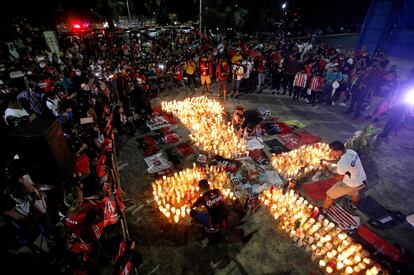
<point x="349" y="173"/>
<point x="217" y="214"/>
<point x="252" y="118"/>
<point x="121" y="122"/>
<point x="252" y="131"/>
<point x="238" y="117"/>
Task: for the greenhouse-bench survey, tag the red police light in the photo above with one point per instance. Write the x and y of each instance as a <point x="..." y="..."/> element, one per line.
<point x="76" y="26"/>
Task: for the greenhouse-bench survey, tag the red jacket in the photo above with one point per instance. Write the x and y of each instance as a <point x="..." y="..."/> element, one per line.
<point x="225" y="70"/>
<point x="206" y="68"/>
<point x="262" y="68"/>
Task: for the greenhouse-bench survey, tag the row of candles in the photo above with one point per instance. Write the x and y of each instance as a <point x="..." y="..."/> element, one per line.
<point x="210" y="131"/>
<point x="175" y="194"/>
<point x="334" y="250"/>
<point x="306" y="159"/>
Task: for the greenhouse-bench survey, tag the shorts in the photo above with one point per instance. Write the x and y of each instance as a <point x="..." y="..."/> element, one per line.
<point x="205" y="79"/>
<point x="340" y="189"/>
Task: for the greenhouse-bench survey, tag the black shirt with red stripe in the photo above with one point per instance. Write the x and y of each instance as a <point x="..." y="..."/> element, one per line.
<point x="214" y="202"/>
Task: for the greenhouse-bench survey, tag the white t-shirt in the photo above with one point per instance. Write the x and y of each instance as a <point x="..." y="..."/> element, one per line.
<point x="350" y="166"/>
<point x="248" y="65"/>
<point x="238" y="72"/>
<point x="15" y="112"/>
<point x="53" y="105"/>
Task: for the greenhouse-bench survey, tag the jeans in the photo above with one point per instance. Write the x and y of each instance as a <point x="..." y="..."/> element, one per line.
<point x="236" y="86"/>
<point x="288" y="83"/>
<point x="201" y="217"/>
<point x="298" y="92"/>
<point x="313" y="97"/>
<point x="260" y="78"/>
<point x="221" y="86"/>
<point x="276" y="78"/>
<point x="357" y="101"/>
<point x="191" y="81"/>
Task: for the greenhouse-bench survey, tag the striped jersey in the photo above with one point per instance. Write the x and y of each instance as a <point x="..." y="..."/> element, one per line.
<point x="316" y="83"/>
<point x="300" y="80"/>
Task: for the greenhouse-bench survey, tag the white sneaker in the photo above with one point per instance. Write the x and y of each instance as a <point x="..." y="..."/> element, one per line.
<point x="343" y="104"/>
<point x="333" y="103"/>
<point x="307" y="100"/>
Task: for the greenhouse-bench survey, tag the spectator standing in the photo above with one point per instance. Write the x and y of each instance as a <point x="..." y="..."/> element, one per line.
<point x="332" y="82"/>
<point x="299" y="84"/>
<point x="261" y="74"/>
<point x="292" y="67"/>
<point x="206" y="71"/>
<point x="315" y="88"/>
<point x="222" y="74"/>
<point x="248" y="69"/>
<point x="360" y="92"/>
<point x="189" y="69"/>
<point x="237" y="76"/>
<point x="384" y="93"/>
<point x="277" y="70"/>
<point x="53" y="103"/>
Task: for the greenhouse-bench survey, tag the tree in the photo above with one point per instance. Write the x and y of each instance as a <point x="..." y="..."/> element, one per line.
<point x="112" y="9"/>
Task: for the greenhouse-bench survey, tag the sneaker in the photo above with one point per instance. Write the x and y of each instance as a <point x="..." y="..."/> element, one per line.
<point x="333" y="103"/>
<point x="352" y="205"/>
<point x="343" y="104"/>
<point x="210" y="230"/>
<point x="307" y="101"/>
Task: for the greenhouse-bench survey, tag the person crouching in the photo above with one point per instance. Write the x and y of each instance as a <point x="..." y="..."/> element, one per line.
<point x="217" y="214"/>
<point x="349" y="173"/>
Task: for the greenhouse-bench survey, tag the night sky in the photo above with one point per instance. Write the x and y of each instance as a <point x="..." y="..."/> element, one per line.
<point x="316" y="13"/>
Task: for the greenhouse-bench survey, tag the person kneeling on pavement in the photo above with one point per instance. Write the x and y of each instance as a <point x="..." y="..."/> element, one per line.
<point x="349" y="173"/>
<point x="216" y="217"/>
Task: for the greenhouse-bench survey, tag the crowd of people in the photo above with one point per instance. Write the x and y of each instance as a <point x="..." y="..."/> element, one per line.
<point x="94" y="79"/>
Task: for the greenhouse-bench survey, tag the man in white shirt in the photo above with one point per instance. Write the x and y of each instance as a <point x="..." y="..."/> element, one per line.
<point x="237" y="76"/>
<point x="349" y="173"/>
<point x="53" y="103"/>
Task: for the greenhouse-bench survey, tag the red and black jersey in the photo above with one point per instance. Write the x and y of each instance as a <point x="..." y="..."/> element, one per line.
<point x="214" y="202"/>
<point x="206" y="68"/>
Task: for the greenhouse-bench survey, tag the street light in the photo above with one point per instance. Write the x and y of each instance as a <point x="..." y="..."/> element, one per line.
<point x="200" y="14"/>
<point x="129" y="13"/>
<point x="284" y="5"/>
